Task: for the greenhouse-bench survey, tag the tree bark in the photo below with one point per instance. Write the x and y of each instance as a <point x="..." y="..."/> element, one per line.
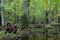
<point x="2" y="12"/>
<point x="25" y="6"/>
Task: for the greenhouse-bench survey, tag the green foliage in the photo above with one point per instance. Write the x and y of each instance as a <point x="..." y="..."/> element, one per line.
<point x="36" y="7"/>
<point x="3" y="35"/>
<point x="12" y="9"/>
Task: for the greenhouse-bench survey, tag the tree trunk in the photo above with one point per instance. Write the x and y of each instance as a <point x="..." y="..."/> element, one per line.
<point x="25" y="18"/>
<point x="25" y="6"/>
<point x="2" y="12"/>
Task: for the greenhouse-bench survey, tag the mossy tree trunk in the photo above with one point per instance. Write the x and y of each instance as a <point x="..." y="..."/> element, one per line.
<point x="24" y="19"/>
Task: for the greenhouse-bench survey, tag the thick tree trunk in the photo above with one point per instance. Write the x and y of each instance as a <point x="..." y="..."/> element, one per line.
<point x="25" y="20"/>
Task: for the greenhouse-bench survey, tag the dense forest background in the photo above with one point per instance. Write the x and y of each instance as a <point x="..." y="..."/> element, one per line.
<point x="34" y="19"/>
<point x="14" y="9"/>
